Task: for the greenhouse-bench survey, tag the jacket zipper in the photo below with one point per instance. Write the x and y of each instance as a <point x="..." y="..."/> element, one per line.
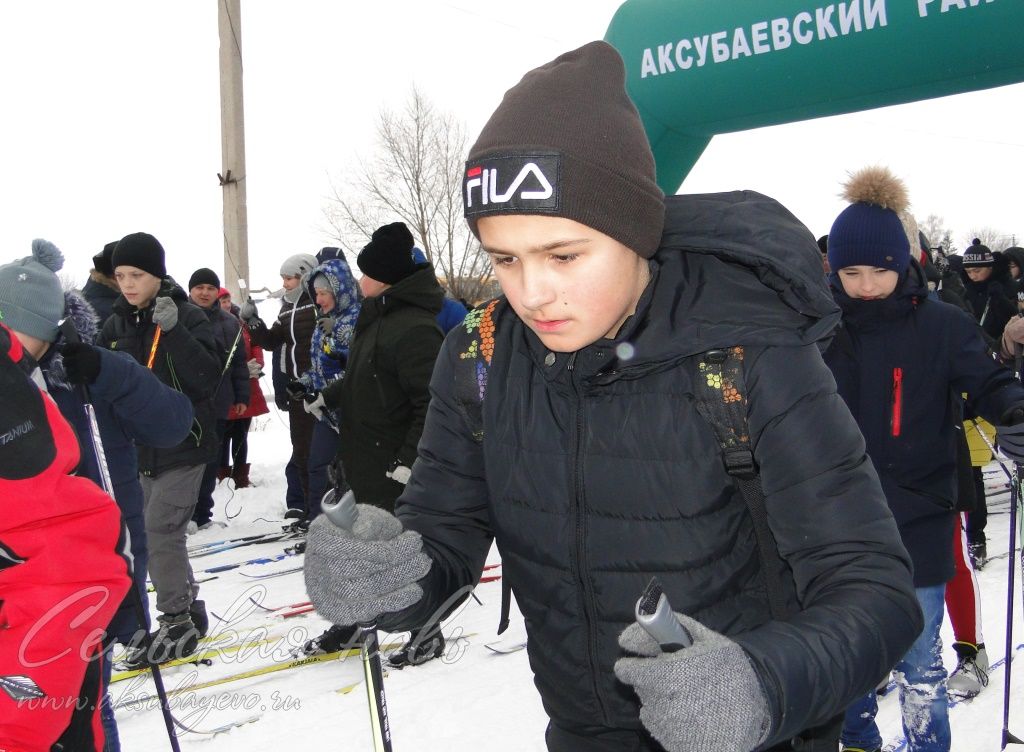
<point x="897" y="401"/>
<point x="589" y="612"/>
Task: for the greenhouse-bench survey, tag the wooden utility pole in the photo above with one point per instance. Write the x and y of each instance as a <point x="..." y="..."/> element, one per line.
<point x="232" y="134"/>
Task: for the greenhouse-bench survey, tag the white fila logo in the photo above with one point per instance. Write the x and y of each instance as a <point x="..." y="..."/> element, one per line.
<point x="486" y="179"/>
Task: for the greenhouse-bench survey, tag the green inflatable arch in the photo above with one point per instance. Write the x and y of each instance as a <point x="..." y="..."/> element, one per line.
<point x="695" y="68"/>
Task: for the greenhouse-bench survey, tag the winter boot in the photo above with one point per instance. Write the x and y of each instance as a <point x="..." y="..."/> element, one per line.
<point x="224" y="471"/>
<point x="199" y="618"/>
<point x="971" y="673"/>
<point x="979" y="554"/>
<point x="421" y="647"/>
<point x="241" y="476"/>
<point x="298" y="528"/>
<point x="334" y="639"/>
<point x="176" y="638"/>
<point x="294" y="514"/>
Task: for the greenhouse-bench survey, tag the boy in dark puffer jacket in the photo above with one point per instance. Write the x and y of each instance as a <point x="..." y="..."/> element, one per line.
<point x="155" y="324"/>
<point x="597" y="471"/>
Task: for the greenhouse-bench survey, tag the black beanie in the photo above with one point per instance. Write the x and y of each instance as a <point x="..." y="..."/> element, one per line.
<point x="387" y="257"/>
<point x="101" y="261"/>
<point x="567" y="141"/>
<point x="978" y="255"/>
<point x="141" y="250"/>
<point x="203" y="276"/>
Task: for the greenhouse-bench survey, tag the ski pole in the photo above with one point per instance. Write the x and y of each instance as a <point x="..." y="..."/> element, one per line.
<point x="344" y="513"/>
<point x="67" y="328"/>
<point x="1009" y="738"/>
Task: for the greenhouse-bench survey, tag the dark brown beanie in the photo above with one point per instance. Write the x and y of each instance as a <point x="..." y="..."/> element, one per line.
<point x="567" y="141"/>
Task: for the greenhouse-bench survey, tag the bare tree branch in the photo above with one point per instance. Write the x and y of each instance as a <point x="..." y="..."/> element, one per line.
<point x="414" y="175"/>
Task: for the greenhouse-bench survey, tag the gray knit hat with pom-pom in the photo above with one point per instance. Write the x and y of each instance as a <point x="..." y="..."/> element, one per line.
<point x="31" y="297"/>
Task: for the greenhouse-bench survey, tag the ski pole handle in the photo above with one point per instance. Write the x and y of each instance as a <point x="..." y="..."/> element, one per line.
<point x="654" y="614"/>
<point x="342" y="512"/>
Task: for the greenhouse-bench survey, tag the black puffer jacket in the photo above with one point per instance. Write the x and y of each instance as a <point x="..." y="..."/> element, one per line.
<point x="596" y="473"/>
<point x="382" y="399"/>
<point x="186" y="359"/>
<point x="290" y="335"/>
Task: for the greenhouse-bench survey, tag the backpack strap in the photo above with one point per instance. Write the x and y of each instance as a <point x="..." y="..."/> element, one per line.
<point x="722" y="402"/>
<point x="474" y="364"/>
<point x="470" y="387"/>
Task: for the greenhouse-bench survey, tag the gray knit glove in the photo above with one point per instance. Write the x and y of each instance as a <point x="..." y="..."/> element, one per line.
<point x="248" y="311"/>
<point x="355" y="577"/>
<point x="704" y="698"/>
<point x="165" y="313"/>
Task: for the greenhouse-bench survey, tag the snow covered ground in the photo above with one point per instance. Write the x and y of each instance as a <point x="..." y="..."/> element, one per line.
<point x="473" y="700"/>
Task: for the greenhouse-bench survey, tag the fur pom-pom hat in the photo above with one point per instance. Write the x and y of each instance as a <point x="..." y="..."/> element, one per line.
<point x="31" y="297"/>
<point x="870" y="231"/>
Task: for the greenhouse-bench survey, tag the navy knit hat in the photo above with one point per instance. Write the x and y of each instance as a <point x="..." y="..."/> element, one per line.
<point x="31" y="296"/>
<point x="978" y="255"/>
<point x="141" y="250"/>
<point x="387" y="257"/>
<point x="869" y="232"/>
<point x="203" y="276"/>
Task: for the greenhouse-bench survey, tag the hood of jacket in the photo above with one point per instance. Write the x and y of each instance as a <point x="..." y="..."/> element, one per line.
<point x="102" y="284"/>
<point x="733" y="268"/>
<point x="343" y="284"/>
<point x="420" y="290"/>
<point x="86" y="323"/>
<point x="911" y="290"/>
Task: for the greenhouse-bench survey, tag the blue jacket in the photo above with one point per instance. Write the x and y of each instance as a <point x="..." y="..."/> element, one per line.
<point x="452" y="314"/>
<point x="452" y="311"/>
<point x="131" y="405"/>
<point x="901" y="365"/>
<point x="329" y="352"/>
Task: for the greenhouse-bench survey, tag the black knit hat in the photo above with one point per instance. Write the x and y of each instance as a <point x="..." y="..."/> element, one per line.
<point x="101" y="261"/>
<point x="387" y="257"/>
<point x="978" y="255"/>
<point x="203" y="276"/>
<point x="567" y="141"/>
<point x="141" y="250"/>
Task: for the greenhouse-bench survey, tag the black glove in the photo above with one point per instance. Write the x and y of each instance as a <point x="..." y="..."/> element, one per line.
<point x="256" y="325"/>
<point x="326" y="324"/>
<point x="296" y="389"/>
<point x="1010" y="435"/>
<point x="82" y="362"/>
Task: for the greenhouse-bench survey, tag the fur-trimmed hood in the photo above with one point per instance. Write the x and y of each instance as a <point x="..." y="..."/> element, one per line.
<point x="86" y="323"/>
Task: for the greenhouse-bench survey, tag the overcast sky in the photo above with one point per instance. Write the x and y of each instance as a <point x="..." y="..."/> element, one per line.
<point x="111" y="121"/>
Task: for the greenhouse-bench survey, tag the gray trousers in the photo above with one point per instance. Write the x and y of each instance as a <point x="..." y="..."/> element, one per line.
<point x="168" y="502"/>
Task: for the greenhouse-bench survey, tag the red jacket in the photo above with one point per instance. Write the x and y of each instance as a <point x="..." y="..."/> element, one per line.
<point x="257" y="402"/>
<point x="61" y="574"/>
